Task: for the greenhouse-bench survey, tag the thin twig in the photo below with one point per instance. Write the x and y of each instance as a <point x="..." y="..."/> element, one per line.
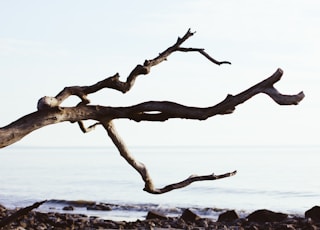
<point x="113" y="82"/>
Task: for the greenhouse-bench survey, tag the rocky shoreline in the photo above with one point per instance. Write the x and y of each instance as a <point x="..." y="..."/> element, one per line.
<point x="27" y="218"/>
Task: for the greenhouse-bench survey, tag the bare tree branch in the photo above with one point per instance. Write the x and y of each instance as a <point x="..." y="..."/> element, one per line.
<point x="147" y="111"/>
<point x="124" y="152"/>
<point x="190" y="180"/>
<point x="142" y="170"/>
<point x="50" y="111"/>
<point x="201" y="51"/>
<point x="113" y="82"/>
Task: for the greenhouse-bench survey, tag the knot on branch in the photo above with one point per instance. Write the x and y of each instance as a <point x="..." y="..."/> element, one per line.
<point x="47" y="102"/>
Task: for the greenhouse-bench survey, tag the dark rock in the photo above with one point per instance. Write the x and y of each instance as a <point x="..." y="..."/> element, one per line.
<point x="155" y="215"/>
<point x="286" y="227"/>
<point x="179" y="224"/>
<point x="112" y="225"/>
<point x="68" y="208"/>
<point x="228" y="216"/>
<point x="252" y="227"/>
<point x="203" y="223"/>
<point x="3" y="211"/>
<point x="81" y="203"/>
<point x="100" y="207"/>
<point x="42" y="226"/>
<point x="313" y="213"/>
<point x="2" y="208"/>
<point x="188" y="215"/>
<point x="75" y="203"/>
<point x="188" y="220"/>
<point x="264" y="215"/>
<point x="309" y="226"/>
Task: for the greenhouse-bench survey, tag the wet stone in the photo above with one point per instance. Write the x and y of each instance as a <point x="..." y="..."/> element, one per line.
<point x="264" y="215"/>
<point x="261" y="219"/>
<point x="313" y="213"/>
<point x="155" y="215"/>
<point x="100" y="207"/>
<point x="228" y="216"/>
<point x="2" y="209"/>
<point x="68" y="208"/>
<point x="189" y="216"/>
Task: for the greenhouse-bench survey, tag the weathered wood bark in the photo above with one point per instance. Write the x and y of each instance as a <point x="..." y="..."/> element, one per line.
<point x="49" y="110"/>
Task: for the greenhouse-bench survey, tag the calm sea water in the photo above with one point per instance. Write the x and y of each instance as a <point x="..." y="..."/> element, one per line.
<point x="277" y="178"/>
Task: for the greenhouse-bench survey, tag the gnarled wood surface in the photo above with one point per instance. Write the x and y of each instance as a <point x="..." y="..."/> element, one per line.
<point x="49" y="110"/>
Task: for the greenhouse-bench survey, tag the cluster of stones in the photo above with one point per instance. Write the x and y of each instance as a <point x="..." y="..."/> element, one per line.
<point x="260" y="219"/>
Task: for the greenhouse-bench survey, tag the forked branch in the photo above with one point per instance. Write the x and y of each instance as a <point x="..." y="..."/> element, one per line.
<point x="147" y="111"/>
<point x="142" y="170"/>
<point x="50" y="111"/>
<point x="113" y="82"/>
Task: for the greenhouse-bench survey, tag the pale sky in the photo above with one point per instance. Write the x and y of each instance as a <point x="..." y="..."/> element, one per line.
<point x="47" y="45"/>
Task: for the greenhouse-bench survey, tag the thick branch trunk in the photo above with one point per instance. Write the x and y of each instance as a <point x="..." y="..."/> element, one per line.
<point x="147" y="111"/>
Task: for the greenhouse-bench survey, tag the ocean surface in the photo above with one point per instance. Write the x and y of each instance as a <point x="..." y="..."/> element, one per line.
<point x="279" y="178"/>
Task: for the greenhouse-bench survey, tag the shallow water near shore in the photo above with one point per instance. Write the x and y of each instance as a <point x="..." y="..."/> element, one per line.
<point x="279" y="178"/>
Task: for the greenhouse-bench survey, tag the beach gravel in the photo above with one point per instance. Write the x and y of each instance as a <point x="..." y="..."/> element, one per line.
<point x="259" y="219"/>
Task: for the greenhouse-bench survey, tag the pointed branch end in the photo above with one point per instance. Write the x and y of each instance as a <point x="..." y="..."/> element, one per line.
<point x="299" y="97"/>
<point x="277" y="75"/>
<point x="186" y="36"/>
<point x="190" y="32"/>
<point x="229" y="174"/>
<point x="282" y="99"/>
<point x="224" y="62"/>
<point x="279" y="71"/>
<point x="233" y="173"/>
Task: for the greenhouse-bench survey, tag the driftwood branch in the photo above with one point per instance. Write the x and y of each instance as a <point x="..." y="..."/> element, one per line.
<point x="113" y="82"/>
<point x="147" y="111"/>
<point x="50" y="111"/>
<point x="21" y="212"/>
<point x="142" y="170"/>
